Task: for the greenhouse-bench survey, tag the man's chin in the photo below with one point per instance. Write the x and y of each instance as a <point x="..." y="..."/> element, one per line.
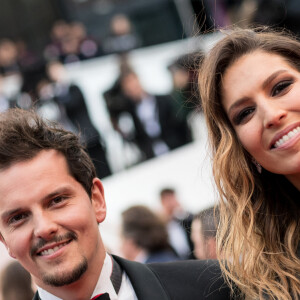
<point x="62" y="279"/>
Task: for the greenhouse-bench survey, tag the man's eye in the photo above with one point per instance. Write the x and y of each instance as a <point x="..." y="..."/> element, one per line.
<point x="57" y="200"/>
<point x="280" y="87"/>
<point x="17" y="218"/>
<point x="242" y="115"/>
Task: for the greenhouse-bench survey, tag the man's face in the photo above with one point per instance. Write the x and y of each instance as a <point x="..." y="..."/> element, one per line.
<point x="132" y="87"/>
<point x="170" y="204"/>
<point x="47" y="220"/>
<point x="204" y="247"/>
<point x="198" y="240"/>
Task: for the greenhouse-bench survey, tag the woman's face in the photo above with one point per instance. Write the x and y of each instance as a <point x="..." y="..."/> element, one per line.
<point x="261" y="96"/>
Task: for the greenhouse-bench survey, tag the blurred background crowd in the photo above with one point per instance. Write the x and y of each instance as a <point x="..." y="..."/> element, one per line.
<point x="122" y="74"/>
<point x="40" y="40"/>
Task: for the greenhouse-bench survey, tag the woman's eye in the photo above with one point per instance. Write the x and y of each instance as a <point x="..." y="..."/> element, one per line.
<point x="242" y="115"/>
<point x="280" y="87"/>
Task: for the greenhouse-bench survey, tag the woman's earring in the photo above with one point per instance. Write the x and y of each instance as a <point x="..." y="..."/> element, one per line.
<point x="257" y="165"/>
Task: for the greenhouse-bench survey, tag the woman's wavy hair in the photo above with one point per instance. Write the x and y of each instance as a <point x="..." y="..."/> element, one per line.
<point x="259" y="229"/>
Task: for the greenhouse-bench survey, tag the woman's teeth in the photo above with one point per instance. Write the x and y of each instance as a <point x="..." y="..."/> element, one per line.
<point x="287" y="137"/>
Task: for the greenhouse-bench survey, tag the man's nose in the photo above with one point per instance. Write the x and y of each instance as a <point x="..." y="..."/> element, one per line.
<point x="44" y="226"/>
<point x="274" y="114"/>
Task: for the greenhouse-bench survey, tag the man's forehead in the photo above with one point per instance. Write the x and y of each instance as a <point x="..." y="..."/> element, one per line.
<point x="42" y="155"/>
<point x="32" y="177"/>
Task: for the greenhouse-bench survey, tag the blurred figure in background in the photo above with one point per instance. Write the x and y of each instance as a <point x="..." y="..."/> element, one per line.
<point x="8" y="58"/>
<point x="204" y="230"/>
<point x="4" y="100"/>
<point x="70" y="43"/>
<point x="178" y="222"/>
<point x="151" y="121"/>
<point x="144" y="236"/>
<point x="59" y="32"/>
<point x="16" y="283"/>
<point x="182" y="92"/>
<point x="218" y="12"/>
<point x="122" y="37"/>
<point x="184" y="72"/>
<point x="69" y="96"/>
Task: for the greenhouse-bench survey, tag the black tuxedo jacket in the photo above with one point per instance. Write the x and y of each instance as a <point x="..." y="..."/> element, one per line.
<point x="182" y="280"/>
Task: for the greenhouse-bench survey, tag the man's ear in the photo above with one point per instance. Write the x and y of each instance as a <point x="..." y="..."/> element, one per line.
<point x="98" y="200"/>
<point x="4" y="242"/>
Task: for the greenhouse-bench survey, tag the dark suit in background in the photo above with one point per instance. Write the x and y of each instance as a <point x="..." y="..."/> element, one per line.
<point x="73" y="101"/>
<point x="174" y="130"/>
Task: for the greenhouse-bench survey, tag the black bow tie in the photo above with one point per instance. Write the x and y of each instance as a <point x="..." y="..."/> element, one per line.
<point x="102" y="297"/>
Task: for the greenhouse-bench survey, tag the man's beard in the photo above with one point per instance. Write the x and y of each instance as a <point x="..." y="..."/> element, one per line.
<point x="58" y="280"/>
<point x="62" y="278"/>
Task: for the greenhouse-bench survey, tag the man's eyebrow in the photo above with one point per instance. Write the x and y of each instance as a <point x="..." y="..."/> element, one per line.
<point x="60" y="190"/>
<point x="264" y="85"/>
<point x="9" y="213"/>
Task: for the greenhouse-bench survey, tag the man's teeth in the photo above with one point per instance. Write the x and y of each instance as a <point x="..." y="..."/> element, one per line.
<point x="52" y="250"/>
<point x="287" y="137"/>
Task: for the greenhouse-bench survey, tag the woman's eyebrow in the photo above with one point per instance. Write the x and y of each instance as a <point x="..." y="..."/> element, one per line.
<point x="272" y="77"/>
<point x="237" y="104"/>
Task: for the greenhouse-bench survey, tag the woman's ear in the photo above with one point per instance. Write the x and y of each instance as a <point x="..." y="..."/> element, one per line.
<point x="98" y="200"/>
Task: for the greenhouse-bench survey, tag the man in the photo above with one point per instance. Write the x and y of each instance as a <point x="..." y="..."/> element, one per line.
<point x="149" y="121"/>
<point x="71" y="99"/>
<point x="204" y="230"/>
<point x="50" y="206"/>
<point x="178" y="223"/>
<point x="144" y="236"/>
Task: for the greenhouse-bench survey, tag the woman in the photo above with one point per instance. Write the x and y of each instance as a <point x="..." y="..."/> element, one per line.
<point x="250" y="89"/>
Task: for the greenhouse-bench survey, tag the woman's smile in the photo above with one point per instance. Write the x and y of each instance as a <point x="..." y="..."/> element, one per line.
<point x="261" y="98"/>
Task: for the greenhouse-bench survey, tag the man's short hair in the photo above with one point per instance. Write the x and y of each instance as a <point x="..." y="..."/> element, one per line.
<point x="23" y="134"/>
<point x="209" y="219"/>
<point x="166" y="191"/>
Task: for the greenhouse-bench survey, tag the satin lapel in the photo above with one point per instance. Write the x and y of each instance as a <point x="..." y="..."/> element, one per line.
<point x="36" y="296"/>
<point x="145" y="283"/>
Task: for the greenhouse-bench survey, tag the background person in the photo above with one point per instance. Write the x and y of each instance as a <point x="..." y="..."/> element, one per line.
<point x="250" y="87"/>
<point x="145" y="237"/>
<point x="16" y="283"/>
<point x="178" y="222"/>
<point x="204" y="231"/>
<point x="70" y="97"/>
<point x="155" y="127"/>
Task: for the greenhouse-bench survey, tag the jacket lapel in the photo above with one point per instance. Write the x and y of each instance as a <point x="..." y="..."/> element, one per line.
<point x="36" y="296"/>
<point x="146" y="285"/>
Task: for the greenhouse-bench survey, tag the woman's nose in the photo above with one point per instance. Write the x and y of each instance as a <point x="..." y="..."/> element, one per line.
<point x="273" y="115"/>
